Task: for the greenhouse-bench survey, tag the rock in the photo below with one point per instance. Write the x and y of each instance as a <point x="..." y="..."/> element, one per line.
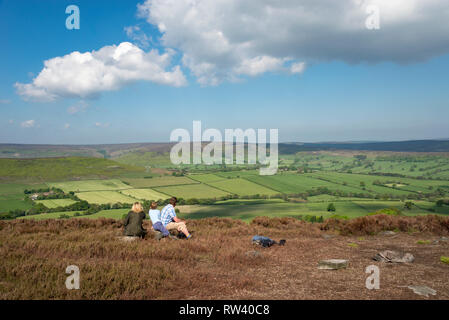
<point x="444" y="239"/>
<point x="422" y="290"/>
<point x="127" y="238"/>
<point x="387" y="233"/>
<point x="394" y="257"/>
<point x="328" y="236"/>
<point x="253" y="254"/>
<point x="157" y="234"/>
<point x="332" y="264"/>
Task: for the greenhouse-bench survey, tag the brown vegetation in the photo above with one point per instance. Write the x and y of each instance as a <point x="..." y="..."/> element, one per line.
<point x="217" y="263"/>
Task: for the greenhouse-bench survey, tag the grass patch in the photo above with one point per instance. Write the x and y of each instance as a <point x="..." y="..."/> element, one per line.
<point x="104" y="197"/>
<point x="54" y="203"/>
<point x="90" y="185"/>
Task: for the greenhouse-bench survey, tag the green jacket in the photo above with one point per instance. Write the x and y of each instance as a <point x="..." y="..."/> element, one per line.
<point x="133" y="224"/>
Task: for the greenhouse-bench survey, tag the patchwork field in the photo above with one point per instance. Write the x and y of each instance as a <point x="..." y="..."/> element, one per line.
<point x="144" y="194"/>
<point x="54" y="203"/>
<point x="159" y="182"/>
<point x="242" y="187"/>
<point x="206" y="178"/>
<point x="104" y="197"/>
<point x="199" y="191"/>
<point x="298" y="183"/>
<point x="90" y="185"/>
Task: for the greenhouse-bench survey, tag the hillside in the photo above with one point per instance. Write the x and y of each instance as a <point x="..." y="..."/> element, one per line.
<point x="53" y="169"/>
<point x="220" y="262"/>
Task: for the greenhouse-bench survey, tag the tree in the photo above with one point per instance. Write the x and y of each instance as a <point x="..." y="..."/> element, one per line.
<point x="408" y="205"/>
<point x="331" y="207"/>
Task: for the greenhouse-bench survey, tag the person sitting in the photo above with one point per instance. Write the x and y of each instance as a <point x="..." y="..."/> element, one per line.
<point x="155" y="216"/>
<point x="171" y="221"/>
<point x="133" y="222"/>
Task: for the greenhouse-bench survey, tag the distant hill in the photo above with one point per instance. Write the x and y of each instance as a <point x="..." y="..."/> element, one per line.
<point x="55" y="169"/>
<point x="398" y="146"/>
<point x="124" y="151"/>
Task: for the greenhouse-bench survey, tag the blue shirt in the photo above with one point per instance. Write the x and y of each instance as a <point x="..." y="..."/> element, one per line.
<point x="167" y="214"/>
<point x="155" y="216"/>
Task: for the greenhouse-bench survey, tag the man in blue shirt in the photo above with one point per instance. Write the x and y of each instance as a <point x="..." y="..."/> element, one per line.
<point x="171" y="221"/>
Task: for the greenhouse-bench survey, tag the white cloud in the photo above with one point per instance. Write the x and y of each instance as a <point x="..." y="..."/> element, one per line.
<point x="11" y="121"/>
<point x="298" y="67"/>
<point x="28" y="124"/>
<point x="67" y="126"/>
<point x="101" y="125"/>
<point x="77" y="107"/>
<point x="138" y="36"/>
<point x="5" y="101"/>
<point x="224" y="39"/>
<point x="86" y="75"/>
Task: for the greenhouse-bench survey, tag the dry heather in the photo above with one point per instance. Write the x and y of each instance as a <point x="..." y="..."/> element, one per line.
<point x="219" y="263"/>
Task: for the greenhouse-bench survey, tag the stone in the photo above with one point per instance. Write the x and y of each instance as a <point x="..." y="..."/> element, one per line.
<point x="328" y="236"/>
<point x="394" y="257"/>
<point x="444" y="239"/>
<point x="332" y="264"/>
<point x="157" y="234"/>
<point x="422" y="290"/>
<point x="127" y="238"/>
<point x="387" y="233"/>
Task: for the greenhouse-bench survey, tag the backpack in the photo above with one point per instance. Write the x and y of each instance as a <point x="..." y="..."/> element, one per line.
<point x="263" y="241"/>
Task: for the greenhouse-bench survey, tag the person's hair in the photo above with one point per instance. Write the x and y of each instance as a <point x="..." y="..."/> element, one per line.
<point x="173" y="200"/>
<point x="153" y="205"/>
<point x="137" y="207"/>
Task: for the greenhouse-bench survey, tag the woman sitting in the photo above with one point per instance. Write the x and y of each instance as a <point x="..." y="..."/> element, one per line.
<point x="134" y="220"/>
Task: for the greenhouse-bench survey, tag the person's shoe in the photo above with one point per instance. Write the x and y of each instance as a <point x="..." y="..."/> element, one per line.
<point x="189" y="237"/>
<point x="172" y="237"/>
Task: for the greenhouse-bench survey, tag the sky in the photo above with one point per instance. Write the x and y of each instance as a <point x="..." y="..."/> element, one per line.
<point x="321" y="70"/>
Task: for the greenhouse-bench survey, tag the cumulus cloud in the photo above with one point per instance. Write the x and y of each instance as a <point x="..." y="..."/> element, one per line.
<point x="224" y="39"/>
<point x="86" y="75"/>
<point x="28" y="124"/>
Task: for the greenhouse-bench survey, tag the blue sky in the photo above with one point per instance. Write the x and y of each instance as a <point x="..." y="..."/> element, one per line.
<point x="335" y="98"/>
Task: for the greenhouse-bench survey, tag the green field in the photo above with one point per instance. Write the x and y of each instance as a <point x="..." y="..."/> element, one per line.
<point x="113" y="214"/>
<point x="104" y="197"/>
<point x="206" y="178"/>
<point x="242" y="187"/>
<point x="90" y="185"/>
<point x="54" y="203"/>
<point x="144" y="194"/>
<point x="249" y="209"/>
<point x="198" y="191"/>
<point x="290" y="183"/>
<point x="159" y="182"/>
<point x="12" y="196"/>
